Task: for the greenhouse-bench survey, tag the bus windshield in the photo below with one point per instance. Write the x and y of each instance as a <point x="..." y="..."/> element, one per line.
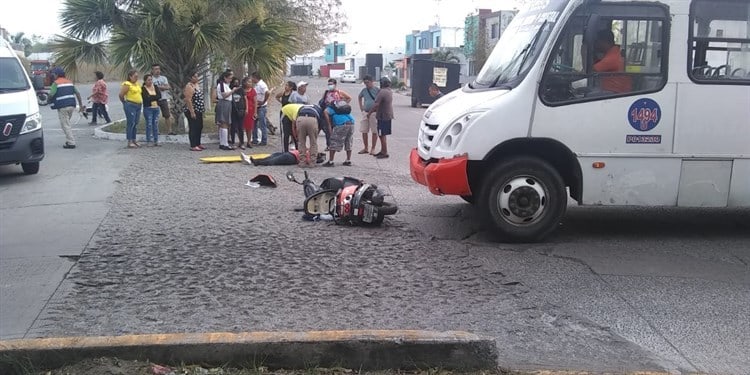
<point x="520" y="44"/>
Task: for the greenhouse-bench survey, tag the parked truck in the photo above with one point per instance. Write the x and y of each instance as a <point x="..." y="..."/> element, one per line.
<point x="41" y="79"/>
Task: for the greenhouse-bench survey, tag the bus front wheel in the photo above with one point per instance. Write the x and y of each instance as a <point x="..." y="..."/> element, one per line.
<point x="524" y="199"/>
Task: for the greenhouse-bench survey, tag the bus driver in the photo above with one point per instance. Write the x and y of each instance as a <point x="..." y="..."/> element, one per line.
<point x="611" y="62"/>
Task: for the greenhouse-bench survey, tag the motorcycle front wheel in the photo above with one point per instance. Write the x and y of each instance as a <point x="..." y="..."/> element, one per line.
<point x="42" y="98"/>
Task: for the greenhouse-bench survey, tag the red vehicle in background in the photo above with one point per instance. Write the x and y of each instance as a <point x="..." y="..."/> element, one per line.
<point x="42" y="79"/>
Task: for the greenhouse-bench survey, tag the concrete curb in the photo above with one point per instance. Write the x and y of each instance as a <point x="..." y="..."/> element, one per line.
<point x="367" y="349"/>
<point x="100" y="132"/>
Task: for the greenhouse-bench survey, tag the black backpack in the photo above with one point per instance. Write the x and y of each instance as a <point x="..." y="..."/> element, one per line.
<point x="239" y="105"/>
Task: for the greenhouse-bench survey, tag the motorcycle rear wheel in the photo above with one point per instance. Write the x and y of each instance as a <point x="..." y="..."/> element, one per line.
<point x="386" y="209"/>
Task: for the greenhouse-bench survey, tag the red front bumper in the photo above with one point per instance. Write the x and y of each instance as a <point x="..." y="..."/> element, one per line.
<point x="444" y="177"/>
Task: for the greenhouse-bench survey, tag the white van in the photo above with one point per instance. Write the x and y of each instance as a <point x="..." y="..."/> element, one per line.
<point x="660" y="117"/>
<point x="21" y="138"/>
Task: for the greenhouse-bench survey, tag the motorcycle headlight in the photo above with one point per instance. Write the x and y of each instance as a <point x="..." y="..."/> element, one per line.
<point x="33" y="123"/>
<point x="457" y="128"/>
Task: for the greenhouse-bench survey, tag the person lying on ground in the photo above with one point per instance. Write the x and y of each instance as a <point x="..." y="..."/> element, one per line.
<point x="277" y="158"/>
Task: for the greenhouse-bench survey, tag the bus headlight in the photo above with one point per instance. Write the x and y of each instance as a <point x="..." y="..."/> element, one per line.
<point x="33" y="122"/>
<point x="452" y="135"/>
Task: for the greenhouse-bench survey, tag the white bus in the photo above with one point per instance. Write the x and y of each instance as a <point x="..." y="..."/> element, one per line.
<point x="610" y="102"/>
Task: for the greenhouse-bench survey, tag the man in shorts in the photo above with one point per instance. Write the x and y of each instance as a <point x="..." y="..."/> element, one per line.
<point x="162" y="83"/>
<point x="383" y="109"/>
<point x="368" y="124"/>
<point x="341" y="127"/>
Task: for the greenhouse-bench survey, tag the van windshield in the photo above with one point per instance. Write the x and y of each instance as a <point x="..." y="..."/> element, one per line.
<point x="12" y="75"/>
<point x="520" y="44"/>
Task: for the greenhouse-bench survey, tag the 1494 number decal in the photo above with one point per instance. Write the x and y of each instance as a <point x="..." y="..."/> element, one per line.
<point x="644" y="115"/>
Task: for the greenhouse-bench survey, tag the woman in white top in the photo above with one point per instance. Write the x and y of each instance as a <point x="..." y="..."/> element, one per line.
<point x="224" y="109"/>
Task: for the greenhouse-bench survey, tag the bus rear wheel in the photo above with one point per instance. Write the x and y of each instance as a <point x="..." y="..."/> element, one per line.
<point x="524" y="198"/>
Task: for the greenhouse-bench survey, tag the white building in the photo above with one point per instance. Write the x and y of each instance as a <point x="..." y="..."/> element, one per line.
<point x="433" y="39"/>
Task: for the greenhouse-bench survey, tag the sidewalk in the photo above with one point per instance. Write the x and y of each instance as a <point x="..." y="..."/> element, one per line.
<point x="364" y="350"/>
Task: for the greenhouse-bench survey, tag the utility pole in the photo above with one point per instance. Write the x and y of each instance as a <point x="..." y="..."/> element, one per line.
<point x="437" y="12"/>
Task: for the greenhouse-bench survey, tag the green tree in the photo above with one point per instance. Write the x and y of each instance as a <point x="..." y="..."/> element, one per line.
<point x="21" y="39"/>
<point x="313" y="20"/>
<point x="184" y="36"/>
<point x="481" y="50"/>
<point x="445" y="56"/>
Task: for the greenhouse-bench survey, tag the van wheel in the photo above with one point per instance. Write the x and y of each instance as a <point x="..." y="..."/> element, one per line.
<point x="30" y="168"/>
<point x="524" y="198"/>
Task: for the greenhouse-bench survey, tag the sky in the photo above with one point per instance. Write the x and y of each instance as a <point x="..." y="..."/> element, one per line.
<point x="372" y="24"/>
<point x="387" y="23"/>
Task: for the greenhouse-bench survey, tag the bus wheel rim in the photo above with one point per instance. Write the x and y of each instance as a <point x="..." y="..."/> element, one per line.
<point x="522" y="201"/>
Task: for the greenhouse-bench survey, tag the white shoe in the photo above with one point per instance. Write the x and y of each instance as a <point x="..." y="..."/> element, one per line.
<point x="246" y="159"/>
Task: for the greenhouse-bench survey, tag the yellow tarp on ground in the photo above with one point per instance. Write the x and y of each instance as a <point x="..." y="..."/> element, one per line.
<point x="231" y="158"/>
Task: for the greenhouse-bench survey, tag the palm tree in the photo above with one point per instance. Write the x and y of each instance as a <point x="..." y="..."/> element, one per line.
<point x="445" y="56"/>
<point x="21" y="39"/>
<point x="181" y="35"/>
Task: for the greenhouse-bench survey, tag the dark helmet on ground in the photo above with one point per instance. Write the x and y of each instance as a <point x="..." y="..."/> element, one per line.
<point x="264" y="180"/>
<point x="385" y="82"/>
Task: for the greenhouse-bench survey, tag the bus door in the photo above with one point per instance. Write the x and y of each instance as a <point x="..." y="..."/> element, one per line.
<point x="604" y="94"/>
<point x="713" y="111"/>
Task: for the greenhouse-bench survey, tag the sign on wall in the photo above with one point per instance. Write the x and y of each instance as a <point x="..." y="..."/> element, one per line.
<point x="440" y="76"/>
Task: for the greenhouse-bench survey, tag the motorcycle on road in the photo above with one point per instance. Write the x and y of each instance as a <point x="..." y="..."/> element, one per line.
<point x="348" y="200"/>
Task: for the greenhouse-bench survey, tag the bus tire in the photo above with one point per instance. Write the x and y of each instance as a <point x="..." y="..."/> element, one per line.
<point x="524" y="198"/>
<point x="30" y="168"/>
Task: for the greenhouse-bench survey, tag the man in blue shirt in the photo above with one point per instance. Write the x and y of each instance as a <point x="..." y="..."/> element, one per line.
<point x="63" y="95"/>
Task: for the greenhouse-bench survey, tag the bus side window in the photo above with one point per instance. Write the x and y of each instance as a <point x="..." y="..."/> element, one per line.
<point x="720" y="42"/>
<point x="628" y="55"/>
<point x="643" y="54"/>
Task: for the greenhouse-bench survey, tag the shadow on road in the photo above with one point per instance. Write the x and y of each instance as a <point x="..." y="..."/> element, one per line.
<point x="461" y="221"/>
<point x="655" y="222"/>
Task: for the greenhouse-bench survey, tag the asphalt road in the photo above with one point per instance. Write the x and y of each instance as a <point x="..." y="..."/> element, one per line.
<point x="46" y="220"/>
<point x="106" y="240"/>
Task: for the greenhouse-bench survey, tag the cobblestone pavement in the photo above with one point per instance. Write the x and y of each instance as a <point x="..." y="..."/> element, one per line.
<point x="187" y="247"/>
